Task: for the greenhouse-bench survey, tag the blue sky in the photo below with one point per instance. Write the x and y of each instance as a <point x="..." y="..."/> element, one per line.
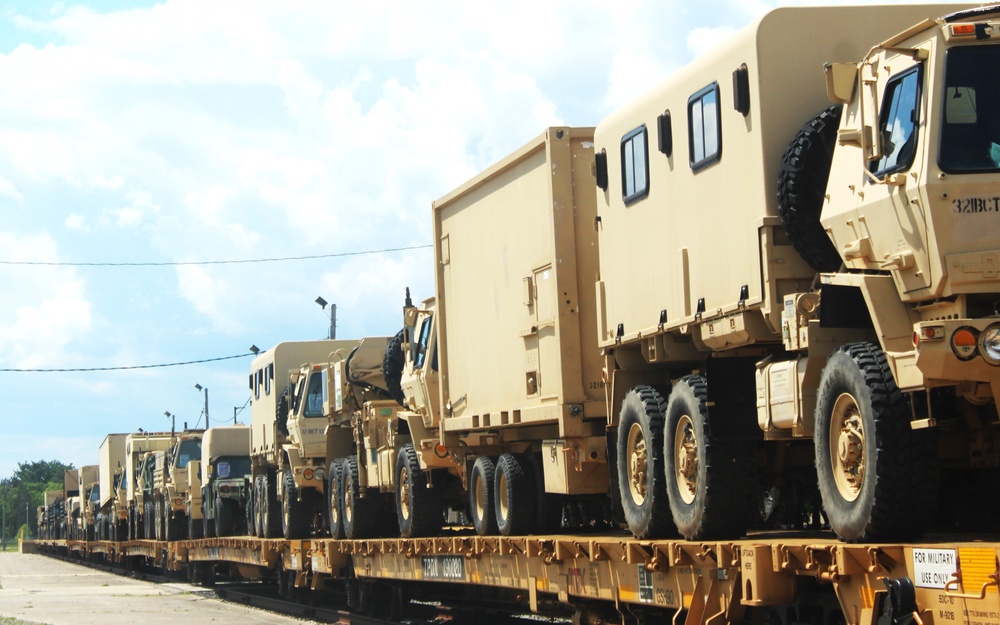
<point x="207" y="130"/>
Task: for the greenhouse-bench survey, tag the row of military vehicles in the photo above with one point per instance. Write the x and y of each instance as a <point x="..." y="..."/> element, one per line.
<point x="154" y="485"/>
<point x="731" y="306"/>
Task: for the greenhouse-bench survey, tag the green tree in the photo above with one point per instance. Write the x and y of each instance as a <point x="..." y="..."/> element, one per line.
<point x="41" y="471"/>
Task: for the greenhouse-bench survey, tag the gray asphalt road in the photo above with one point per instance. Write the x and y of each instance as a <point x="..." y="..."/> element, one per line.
<point x="43" y="590"/>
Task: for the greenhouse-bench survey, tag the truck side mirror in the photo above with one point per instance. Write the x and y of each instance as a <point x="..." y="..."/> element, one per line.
<point x="841" y="79"/>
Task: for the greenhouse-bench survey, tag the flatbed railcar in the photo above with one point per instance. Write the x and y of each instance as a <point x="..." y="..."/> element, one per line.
<point x="768" y="578"/>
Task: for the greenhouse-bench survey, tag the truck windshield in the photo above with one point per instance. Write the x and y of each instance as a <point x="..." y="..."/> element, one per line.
<point x="970" y="130"/>
<point x="232" y="466"/>
<point x="189" y="450"/>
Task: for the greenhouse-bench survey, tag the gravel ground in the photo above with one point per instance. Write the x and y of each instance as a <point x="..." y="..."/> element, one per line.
<point x="37" y="590"/>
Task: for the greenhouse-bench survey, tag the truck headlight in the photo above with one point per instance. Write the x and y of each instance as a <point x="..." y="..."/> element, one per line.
<point x="989" y="344"/>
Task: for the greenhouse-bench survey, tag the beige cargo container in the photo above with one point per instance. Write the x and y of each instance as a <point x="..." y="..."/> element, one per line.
<point x="111" y="458"/>
<point x="751" y="291"/>
<point x="514" y="326"/>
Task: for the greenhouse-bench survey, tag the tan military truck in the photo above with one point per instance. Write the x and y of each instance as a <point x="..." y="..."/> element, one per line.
<point x="112" y="520"/>
<point x="137" y="446"/>
<point x="279" y="444"/>
<point x="362" y="441"/>
<point x="502" y="376"/>
<point x="805" y="293"/>
<point x="170" y="488"/>
<point x="225" y="480"/>
<point x="90" y="499"/>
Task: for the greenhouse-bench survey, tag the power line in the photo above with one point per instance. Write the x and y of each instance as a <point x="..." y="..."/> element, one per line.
<point x="213" y="262"/>
<point x="124" y="368"/>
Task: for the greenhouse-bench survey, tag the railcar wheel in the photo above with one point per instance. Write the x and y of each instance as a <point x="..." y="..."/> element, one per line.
<point x="481" y="502"/>
<point x="640" y="463"/>
<point x="418" y="508"/>
<point x="335" y="498"/>
<point x="514" y="495"/>
<point x="877" y="476"/>
<point x="709" y="481"/>
<point x="294" y="512"/>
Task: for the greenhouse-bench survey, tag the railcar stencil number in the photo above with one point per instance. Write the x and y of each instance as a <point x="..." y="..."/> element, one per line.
<point x="444" y="567"/>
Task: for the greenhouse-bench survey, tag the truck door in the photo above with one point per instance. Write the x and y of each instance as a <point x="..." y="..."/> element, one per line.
<point x="892" y="209"/>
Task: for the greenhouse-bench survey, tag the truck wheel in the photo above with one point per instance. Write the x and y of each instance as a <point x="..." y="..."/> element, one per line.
<point x="225" y="517"/>
<point x="270" y="519"/>
<point x="158" y="520"/>
<point x="877" y="476"/>
<point x="514" y="494"/>
<point x="548" y="506"/>
<point x="640" y="463"/>
<point x="207" y="524"/>
<point x="805" y="168"/>
<point x="710" y="482"/>
<point x="481" y="502"/>
<point x="335" y="498"/>
<point x="392" y="366"/>
<point x="361" y="518"/>
<point x="196" y="529"/>
<point x="294" y="513"/>
<point x="255" y="503"/>
<point x="418" y="508"/>
<point x="148" y="513"/>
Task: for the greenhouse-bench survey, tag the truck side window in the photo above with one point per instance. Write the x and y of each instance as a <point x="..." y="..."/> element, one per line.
<point x="314" y="396"/>
<point x="421" y="345"/>
<point x="898" y="123"/>
<point x="704" y="128"/>
<point x="635" y="166"/>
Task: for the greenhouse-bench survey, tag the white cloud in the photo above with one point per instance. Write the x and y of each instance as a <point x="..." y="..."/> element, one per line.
<point x="47" y="307"/>
<point x="76" y="222"/>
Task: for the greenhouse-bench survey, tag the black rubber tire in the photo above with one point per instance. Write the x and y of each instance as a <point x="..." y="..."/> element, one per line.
<point x="281" y="410"/>
<point x="148" y="514"/>
<point x="643" y="408"/>
<point x="548" y="506"/>
<point x="334" y="499"/>
<point x="482" y="506"/>
<point x="252" y="520"/>
<point x="514" y="495"/>
<point x="196" y="528"/>
<point x="392" y="366"/>
<point x="802" y="178"/>
<point x="896" y="495"/>
<point x="158" y="519"/>
<point x="361" y="514"/>
<point x="420" y="514"/>
<point x="226" y="512"/>
<point x="207" y="524"/>
<point x="723" y="503"/>
<point x="270" y="511"/>
<point x="174" y="525"/>
<point x="294" y="512"/>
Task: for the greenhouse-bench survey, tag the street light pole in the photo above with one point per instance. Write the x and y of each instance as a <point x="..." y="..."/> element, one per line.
<point x="173" y="420"/>
<point x="204" y="388"/>
<point x="333" y="316"/>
